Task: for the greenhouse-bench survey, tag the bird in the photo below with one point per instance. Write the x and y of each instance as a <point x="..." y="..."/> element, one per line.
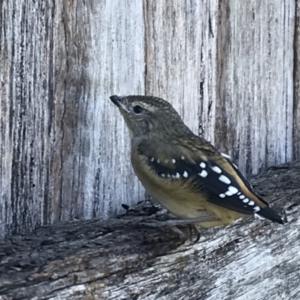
<point x="185" y="173"/>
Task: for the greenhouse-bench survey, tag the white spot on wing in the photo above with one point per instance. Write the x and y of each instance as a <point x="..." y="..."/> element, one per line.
<point x="158" y="161"/>
<point x="173" y="161"/>
<point x="216" y="169"/>
<point x="162" y="175"/>
<point x="251" y="203"/>
<point x="246" y="200"/>
<point x="182" y="157"/>
<point x="177" y="175"/>
<point x="224" y="179"/>
<point x="233" y="189"/>
<point x="228" y="193"/>
<point x="152" y="159"/>
<point x="185" y="174"/>
<point x="203" y="174"/>
<point x="256" y="209"/>
<point x="222" y="195"/>
<point x="242" y="197"/>
<point x="202" y="165"/>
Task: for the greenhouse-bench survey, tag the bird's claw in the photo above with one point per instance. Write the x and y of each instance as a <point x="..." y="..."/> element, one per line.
<point x="172" y="224"/>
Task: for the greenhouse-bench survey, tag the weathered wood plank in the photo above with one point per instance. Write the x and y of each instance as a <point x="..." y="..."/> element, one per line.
<point x="103" y="54"/>
<point x="180" y="58"/>
<point x="62" y="142"/>
<point x="210" y="68"/>
<point x="254" y="107"/>
<point x="26" y="76"/>
<point x="120" y="259"/>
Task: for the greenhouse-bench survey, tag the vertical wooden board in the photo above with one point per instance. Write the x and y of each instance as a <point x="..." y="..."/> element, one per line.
<point x="296" y="135"/>
<point x="25" y="97"/>
<point x="117" y="67"/>
<point x="180" y="57"/>
<point x="254" y="113"/>
<point x="64" y="147"/>
<point x="102" y="54"/>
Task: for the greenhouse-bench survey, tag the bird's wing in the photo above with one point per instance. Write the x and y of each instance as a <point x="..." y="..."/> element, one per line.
<point x="205" y="169"/>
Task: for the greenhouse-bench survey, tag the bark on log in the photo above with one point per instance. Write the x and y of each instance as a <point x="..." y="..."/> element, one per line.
<point x="121" y="259"/>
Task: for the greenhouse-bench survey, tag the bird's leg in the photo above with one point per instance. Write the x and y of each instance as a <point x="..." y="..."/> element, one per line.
<point x="194" y="230"/>
<point x="178" y="231"/>
<point x="179" y="222"/>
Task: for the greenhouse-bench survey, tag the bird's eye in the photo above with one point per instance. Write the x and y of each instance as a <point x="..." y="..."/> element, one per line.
<point x="137" y="109"/>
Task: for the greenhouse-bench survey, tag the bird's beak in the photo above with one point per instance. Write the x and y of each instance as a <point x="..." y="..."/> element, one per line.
<point x="116" y="100"/>
<point x="119" y="101"/>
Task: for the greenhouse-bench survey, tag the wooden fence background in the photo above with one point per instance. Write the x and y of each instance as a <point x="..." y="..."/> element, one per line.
<point x="231" y="68"/>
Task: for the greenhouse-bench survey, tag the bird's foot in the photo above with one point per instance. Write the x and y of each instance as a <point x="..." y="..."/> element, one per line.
<point x="173" y="225"/>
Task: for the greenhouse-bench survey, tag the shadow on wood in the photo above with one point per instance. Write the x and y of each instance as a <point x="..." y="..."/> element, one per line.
<point x="120" y="259"/>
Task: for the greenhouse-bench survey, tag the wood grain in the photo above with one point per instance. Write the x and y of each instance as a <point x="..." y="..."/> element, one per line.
<point x="26" y="60"/>
<point x="64" y="147"/>
<point x="180" y="58"/>
<point x="255" y="84"/>
<point x="122" y="259"/>
<point x="91" y="165"/>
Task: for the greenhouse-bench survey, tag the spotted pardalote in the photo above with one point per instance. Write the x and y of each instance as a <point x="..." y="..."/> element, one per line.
<point x="184" y="172"/>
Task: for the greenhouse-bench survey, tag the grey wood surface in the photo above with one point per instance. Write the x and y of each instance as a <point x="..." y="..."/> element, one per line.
<point x="256" y="82"/>
<point x="123" y="259"/>
<point x="231" y="68"/>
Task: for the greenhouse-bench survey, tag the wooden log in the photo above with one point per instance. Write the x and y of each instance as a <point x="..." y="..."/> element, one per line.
<point x="122" y="259"/>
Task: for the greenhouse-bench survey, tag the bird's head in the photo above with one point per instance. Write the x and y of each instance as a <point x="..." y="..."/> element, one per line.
<point x="147" y="115"/>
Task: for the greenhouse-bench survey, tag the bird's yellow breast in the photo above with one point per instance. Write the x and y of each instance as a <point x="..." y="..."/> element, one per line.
<point x="177" y="198"/>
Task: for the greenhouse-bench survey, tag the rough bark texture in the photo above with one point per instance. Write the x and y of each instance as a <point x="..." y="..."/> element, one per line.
<point x="122" y="259"/>
<point x="227" y="66"/>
